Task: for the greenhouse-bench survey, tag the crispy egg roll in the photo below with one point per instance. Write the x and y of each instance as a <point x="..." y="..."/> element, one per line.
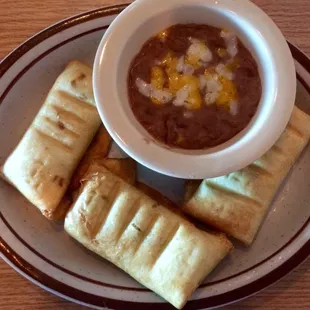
<point x="158" y="248"/>
<point x="237" y="203"/>
<point x="44" y="161"/>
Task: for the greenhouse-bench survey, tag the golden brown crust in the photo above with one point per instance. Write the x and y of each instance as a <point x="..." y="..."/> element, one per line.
<point x="158" y="248"/>
<point x="43" y="163"/>
<point x="236" y="203"/>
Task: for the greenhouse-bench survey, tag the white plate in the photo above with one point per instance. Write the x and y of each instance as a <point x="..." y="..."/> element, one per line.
<point x="43" y="253"/>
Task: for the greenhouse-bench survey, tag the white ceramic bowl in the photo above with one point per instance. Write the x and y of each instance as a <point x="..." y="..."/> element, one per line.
<point x="144" y="18"/>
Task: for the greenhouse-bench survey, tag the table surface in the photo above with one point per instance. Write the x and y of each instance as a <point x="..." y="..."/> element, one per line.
<point x="20" y="19"/>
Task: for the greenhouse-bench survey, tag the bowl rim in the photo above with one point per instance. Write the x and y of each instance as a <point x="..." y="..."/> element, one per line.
<point x="162" y="158"/>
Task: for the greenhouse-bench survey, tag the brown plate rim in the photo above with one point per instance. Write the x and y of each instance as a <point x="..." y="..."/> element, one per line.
<point x="90" y="299"/>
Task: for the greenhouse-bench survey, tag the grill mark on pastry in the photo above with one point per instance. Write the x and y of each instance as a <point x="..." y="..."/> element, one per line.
<point x="61" y="126"/>
<point x="168" y="238"/>
<point x="235" y="179"/>
<point x="145" y="233"/>
<point x="277" y="150"/>
<point x="80" y="77"/>
<point x="234" y="176"/>
<point x="90" y="197"/>
<point x="131" y="213"/>
<point x="58" y="180"/>
<point x="86" y="223"/>
<point x="68" y="115"/>
<point x="80" y="101"/>
<point x="136" y="227"/>
<point x="103" y="215"/>
<point x="37" y="185"/>
<point x="231" y="194"/>
<point x="53" y="140"/>
<point x="294" y="130"/>
<point x="35" y="170"/>
<point x="259" y="170"/>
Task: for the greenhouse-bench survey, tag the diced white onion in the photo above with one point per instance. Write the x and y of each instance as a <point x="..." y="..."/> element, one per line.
<point x="223" y="71"/>
<point x="234" y="107"/>
<point x="198" y="49"/>
<point x="180" y="64"/>
<point x="184" y="68"/>
<point x="162" y="95"/>
<point x="144" y="88"/>
<point x="213" y="85"/>
<point x="188" y="70"/>
<point x="210" y="98"/>
<point x="231" y="43"/>
<point x="181" y="96"/>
